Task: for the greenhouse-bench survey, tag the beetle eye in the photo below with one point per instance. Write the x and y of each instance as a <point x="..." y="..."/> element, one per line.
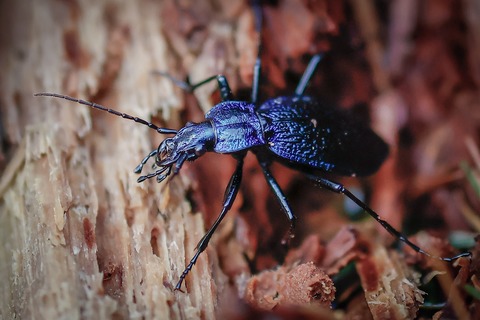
<point x="165" y="149"/>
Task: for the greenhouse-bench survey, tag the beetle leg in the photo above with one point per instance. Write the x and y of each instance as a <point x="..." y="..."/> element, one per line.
<point x="230" y="195"/>
<point x="338" y="188"/>
<point x="307" y="74"/>
<point x="139" y="168"/>
<point x="223" y="86"/>
<point x="281" y="198"/>
<point x="257" y="11"/>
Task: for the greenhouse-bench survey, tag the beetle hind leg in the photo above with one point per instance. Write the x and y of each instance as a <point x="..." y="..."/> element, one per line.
<point x="257" y="11"/>
<point x="307" y="74"/>
<point x="338" y="188"/>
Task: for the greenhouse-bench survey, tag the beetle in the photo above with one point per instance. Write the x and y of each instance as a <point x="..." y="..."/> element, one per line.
<point x="297" y="131"/>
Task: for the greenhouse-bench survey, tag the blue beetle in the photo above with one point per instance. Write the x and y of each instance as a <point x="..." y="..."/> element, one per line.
<point x="297" y="131"/>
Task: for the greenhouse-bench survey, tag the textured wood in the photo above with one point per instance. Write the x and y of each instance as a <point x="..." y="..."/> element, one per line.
<point x="80" y="238"/>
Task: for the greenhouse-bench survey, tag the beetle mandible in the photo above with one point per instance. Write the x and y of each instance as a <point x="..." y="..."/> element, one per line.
<point x="297" y="131"/>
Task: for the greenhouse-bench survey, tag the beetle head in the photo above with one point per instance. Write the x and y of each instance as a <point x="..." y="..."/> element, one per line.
<point x="191" y="142"/>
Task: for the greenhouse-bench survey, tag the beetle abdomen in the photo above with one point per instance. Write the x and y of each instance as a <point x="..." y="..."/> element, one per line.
<point x="236" y="126"/>
<point x="302" y="131"/>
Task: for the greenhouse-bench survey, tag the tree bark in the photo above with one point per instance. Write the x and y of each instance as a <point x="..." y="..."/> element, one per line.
<point x="80" y="237"/>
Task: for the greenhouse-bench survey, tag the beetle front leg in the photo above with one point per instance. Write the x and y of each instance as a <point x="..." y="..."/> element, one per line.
<point x="281" y="198"/>
<point x="230" y="195"/>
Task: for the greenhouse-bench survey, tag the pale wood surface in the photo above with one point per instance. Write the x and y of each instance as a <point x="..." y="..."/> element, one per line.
<point x="80" y="238"/>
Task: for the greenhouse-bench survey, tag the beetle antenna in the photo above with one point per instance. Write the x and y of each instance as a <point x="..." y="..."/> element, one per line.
<point x="100" y="107"/>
